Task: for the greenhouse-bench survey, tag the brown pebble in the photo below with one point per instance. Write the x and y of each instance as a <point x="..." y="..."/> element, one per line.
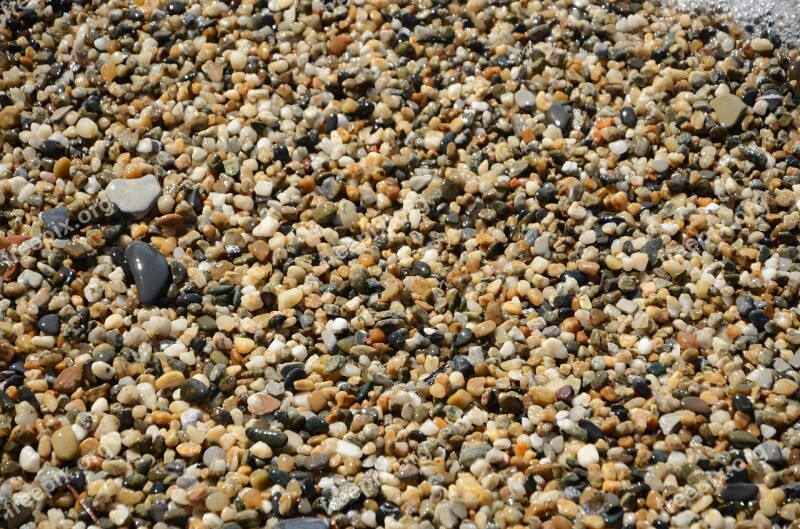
<point x="69" y="379"/>
<point x="338" y="44"/>
<point x="262" y="404"/>
<point x="260" y="250"/>
<point x="696" y="405"/>
<point x="61" y="168"/>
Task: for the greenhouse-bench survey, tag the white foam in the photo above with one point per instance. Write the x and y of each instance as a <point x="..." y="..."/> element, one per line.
<point x="781" y="17"/>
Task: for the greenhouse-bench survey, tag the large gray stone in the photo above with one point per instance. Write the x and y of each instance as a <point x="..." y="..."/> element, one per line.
<point x="150" y="271"/>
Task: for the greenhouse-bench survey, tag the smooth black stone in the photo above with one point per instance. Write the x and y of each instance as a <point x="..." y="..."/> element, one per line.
<point x="150" y="271"/>
<point x="77" y="479"/>
<point x="558" y="115"/>
<point x="176" y="7"/>
<point x="613" y="516"/>
<point x="657" y="369"/>
<point x="628" y="116"/>
<point x="332" y="123"/>
<point x="278" y="477"/>
<point x="594" y="432"/>
<point x="56" y="220"/>
<point x="49" y="324"/>
<point x="743" y="404"/>
<point x="273" y="438"/>
<point x="421" y="268"/>
<point x="749" y="97"/>
<point x="193" y="391"/>
<point x="546" y="193"/>
<point x="187" y="299"/>
<point x="579" y="277"/>
<point x="739" y="492"/>
<point x="293" y="376"/>
<point x="364" y="391"/>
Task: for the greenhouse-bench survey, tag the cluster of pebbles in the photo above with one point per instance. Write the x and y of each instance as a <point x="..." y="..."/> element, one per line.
<point x="475" y="264"/>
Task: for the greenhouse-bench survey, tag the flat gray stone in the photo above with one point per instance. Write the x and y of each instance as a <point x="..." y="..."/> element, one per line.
<point x="134" y="197"/>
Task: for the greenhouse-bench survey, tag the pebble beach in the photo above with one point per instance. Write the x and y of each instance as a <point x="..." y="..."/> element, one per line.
<point x="364" y="264"/>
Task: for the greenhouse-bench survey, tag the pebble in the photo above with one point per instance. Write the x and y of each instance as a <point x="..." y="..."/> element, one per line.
<point x="729" y="109"/>
<point x="262" y="404"/>
<point x="150" y="271"/>
<point x="559" y="116"/>
<point x="49" y="324"/>
<point x="135" y="197"/>
<point x="65" y="444"/>
<point x="588" y="456"/>
<point x="86" y="128"/>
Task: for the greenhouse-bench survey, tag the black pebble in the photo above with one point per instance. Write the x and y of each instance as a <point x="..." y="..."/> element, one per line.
<point x="628" y="116"/>
<point x="758" y="318"/>
<point x="293" y="376"/>
<point x="558" y="115"/>
<point x="739" y="492"/>
<point x="281" y="153"/>
<point x="421" y="268"/>
<point x="743" y="404"/>
<point x="52" y="149"/>
<point x="193" y="391"/>
<point x="150" y="271"/>
<point x="641" y="387"/>
<point x="50" y="324"/>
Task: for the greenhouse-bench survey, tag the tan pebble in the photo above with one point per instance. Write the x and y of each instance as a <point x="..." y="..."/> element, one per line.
<point x="484" y="328"/>
<point x="785" y="387"/>
<point x="460" y="399"/>
<point x="65" y="444"/>
<point x="317" y="401"/>
<point x="188" y="449"/>
<point x="260" y="250"/>
<point x="594" y="521"/>
<point x="252" y="499"/>
<point x="169" y="380"/>
<point x="567" y="508"/>
<point x="108" y="72"/>
<point x="130" y="497"/>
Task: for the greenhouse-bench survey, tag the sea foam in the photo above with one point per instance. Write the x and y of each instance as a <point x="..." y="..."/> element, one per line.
<point x="778" y="17"/>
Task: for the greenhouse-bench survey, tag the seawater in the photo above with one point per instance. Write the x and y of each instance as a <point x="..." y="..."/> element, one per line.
<point x="780" y="17"/>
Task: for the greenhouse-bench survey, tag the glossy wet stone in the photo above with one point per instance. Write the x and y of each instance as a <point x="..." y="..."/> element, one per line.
<point x="150" y="271"/>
